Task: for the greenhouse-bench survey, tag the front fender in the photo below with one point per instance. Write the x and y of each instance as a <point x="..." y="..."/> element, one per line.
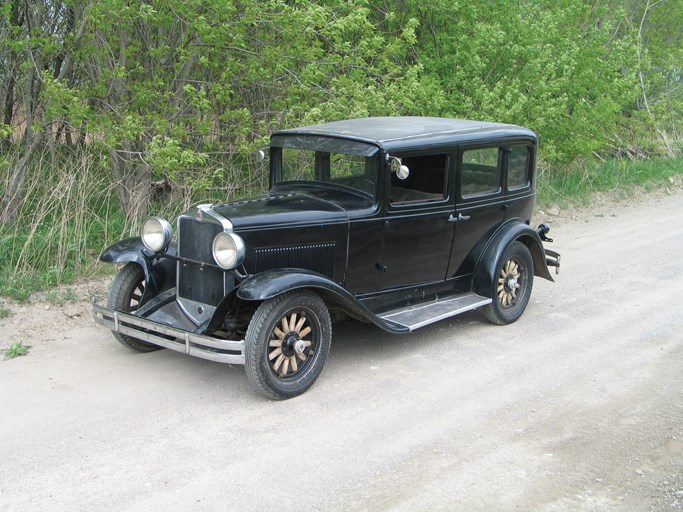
<point x="486" y="268"/>
<point x="160" y="272"/>
<point x="130" y="249"/>
<point x="271" y="283"/>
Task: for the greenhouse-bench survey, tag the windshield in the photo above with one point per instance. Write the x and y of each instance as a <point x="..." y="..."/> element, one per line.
<point x="315" y="159"/>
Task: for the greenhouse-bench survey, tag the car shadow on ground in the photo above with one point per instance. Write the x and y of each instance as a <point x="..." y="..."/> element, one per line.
<point x="355" y="344"/>
<point x="355" y="341"/>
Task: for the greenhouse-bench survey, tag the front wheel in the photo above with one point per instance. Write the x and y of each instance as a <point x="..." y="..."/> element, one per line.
<point x="512" y="285"/>
<point x="287" y="343"/>
<point x="125" y="295"/>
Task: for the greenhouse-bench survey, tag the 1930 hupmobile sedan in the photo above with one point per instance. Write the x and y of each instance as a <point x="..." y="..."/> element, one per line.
<point x="395" y="221"/>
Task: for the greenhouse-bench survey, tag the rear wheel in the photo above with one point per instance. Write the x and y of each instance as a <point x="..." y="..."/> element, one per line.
<point x="512" y="285"/>
<point x="125" y="295"/>
<point x="287" y="343"/>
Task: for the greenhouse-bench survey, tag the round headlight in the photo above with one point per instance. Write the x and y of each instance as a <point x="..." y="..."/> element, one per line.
<point x="156" y="233"/>
<point x="228" y="250"/>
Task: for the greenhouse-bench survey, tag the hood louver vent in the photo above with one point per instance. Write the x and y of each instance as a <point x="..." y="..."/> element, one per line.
<point x="318" y="258"/>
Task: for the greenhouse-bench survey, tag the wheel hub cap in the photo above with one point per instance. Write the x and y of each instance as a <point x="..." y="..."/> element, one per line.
<point x="290" y="344"/>
<point x="299" y="346"/>
<point x="511" y="283"/>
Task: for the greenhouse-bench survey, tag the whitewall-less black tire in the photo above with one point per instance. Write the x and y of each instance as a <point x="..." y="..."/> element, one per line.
<point x="125" y="295"/>
<point x="287" y="343"/>
<point x="512" y="285"/>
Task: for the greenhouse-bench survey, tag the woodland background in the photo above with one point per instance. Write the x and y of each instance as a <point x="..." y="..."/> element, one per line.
<point x="113" y="108"/>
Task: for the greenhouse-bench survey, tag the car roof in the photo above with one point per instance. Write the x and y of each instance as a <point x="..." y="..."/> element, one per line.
<point x="391" y="132"/>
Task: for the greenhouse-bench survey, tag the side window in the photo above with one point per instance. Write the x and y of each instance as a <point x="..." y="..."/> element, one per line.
<point x="427" y="180"/>
<point x="518" y="167"/>
<point x="480" y="174"/>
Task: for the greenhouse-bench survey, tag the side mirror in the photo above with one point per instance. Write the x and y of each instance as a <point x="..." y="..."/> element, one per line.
<point x="396" y="166"/>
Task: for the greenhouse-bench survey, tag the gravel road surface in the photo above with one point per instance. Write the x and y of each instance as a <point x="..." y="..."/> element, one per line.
<point x="576" y="407"/>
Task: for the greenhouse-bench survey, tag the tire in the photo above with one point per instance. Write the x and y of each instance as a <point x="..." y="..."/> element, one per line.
<point x="125" y="295"/>
<point x="287" y="343"/>
<point x="512" y="284"/>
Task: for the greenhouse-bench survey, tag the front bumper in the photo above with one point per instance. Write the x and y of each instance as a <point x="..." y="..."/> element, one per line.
<point x="198" y="345"/>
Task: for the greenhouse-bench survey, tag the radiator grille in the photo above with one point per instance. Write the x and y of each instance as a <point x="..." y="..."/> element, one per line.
<point x="196" y="282"/>
<point x="318" y="258"/>
<point x="195" y="239"/>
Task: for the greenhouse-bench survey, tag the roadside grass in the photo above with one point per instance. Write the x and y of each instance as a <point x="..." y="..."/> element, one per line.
<point x="16" y="349"/>
<point x="59" y="296"/>
<point x="577" y="183"/>
<point x="69" y="214"/>
<point x="4" y="313"/>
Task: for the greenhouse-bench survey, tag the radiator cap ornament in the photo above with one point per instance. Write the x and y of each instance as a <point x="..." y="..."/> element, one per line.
<point x="201" y="210"/>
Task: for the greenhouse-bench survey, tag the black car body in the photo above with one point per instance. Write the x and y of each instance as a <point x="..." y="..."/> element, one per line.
<point x="397" y="221"/>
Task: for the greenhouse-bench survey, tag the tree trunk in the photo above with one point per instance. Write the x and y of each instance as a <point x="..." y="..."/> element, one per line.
<point x="8" y="114"/>
<point x="132" y="182"/>
<point x="15" y="187"/>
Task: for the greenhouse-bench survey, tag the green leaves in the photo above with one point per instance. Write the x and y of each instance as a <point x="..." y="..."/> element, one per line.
<point x="553" y="66"/>
<point x="168" y="160"/>
<point x="196" y="86"/>
<point x="15" y="349"/>
<point x="126" y="93"/>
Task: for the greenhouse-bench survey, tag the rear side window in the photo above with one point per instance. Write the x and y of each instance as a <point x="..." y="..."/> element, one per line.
<point x="518" y="167"/>
<point x="480" y="172"/>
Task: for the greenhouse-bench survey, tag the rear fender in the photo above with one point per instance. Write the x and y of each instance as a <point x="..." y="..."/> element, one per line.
<point x="160" y="272"/>
<point x="486" y="268"/>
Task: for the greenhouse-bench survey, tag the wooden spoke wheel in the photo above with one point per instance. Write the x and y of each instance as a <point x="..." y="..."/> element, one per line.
<point x="512" y="285"/>
<point x="125" y="295"/>
<point x="289" y="347"/>
<point x="287" y="343"/>
<point x="508" y="283"/>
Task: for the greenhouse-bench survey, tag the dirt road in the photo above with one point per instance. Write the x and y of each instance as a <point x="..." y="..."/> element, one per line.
<point x="578" y="406"/>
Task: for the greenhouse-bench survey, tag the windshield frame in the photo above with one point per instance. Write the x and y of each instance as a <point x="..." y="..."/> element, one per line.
<point x="324" y="148"/>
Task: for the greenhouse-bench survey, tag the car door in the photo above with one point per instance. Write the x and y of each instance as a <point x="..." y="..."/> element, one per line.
<point x="479" y="203"/>
<point x="417" y="233"/>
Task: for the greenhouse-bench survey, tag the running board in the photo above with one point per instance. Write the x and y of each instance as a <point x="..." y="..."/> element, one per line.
<point x="419" y="315"/>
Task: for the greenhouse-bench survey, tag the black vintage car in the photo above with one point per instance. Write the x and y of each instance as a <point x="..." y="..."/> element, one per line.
<point x="395" y="221"/>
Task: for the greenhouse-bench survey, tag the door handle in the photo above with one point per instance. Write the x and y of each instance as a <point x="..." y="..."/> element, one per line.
<point x="460" y="217"/>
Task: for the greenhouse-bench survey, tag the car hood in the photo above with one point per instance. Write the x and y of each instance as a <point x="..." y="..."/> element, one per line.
<point x="282" y="210"/>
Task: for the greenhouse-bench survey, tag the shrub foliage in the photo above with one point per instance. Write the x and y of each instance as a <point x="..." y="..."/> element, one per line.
<point x="100" y="101"/>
